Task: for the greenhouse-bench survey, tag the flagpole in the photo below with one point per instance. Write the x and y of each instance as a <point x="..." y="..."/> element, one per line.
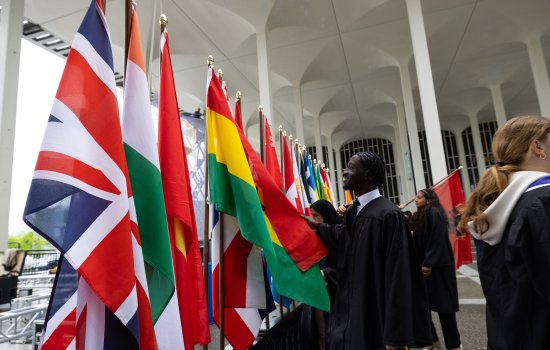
<point x="221" y="307"/>
<point x="206" y="230"/>
<point x="262" y="134"/>
<point x="128" y="28"/>
<point x="432" y="186"/>
<point x="281" y="149"/>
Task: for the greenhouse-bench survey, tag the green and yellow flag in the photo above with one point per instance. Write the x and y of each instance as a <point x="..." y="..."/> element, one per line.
<point x="233" y="191"/>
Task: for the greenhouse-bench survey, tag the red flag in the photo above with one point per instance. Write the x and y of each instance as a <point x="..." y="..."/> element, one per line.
<point x="179" y="210"/>
<point x="238" y="115"/>
<point x="291" y="189"/>
<point x="271" y="161"/>
<point x="451" y="198"/>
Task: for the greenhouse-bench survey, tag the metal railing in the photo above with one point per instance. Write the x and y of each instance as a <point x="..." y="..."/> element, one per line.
<point x="39" y="261"/>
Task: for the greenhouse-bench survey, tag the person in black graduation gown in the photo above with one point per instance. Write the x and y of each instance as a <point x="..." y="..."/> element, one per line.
<point x="381" y="300"/>
<point x="509" y="215"/>
<point x="314" y="322"/>
<point x="431" y="237"/>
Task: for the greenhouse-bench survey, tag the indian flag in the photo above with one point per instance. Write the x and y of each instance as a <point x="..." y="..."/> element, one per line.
<point x="143" y="163"/>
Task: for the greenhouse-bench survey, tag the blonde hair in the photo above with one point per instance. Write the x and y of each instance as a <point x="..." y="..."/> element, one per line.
<point x="510" y="145"/>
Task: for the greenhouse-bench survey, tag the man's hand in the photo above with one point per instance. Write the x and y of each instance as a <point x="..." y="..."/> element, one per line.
<point x="312" y="223"/>
<point x="426" y="271"/>
<point x="341" y="210"/>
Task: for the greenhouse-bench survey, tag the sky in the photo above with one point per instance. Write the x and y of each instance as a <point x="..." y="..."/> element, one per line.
<point x="39" y="75"/>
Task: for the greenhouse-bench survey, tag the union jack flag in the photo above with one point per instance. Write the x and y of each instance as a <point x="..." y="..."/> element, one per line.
<point x="81" y="201"/>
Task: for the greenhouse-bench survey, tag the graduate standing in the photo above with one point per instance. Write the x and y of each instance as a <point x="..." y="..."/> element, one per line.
<point x="431" y="237"/>
<point x="381" y="301"/>
<point x="509" y="215"/>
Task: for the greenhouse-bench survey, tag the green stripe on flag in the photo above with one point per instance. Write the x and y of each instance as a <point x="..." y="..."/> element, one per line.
<point x="151" y="215"/>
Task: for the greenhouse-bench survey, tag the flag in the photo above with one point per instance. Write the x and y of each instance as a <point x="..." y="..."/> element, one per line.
<point x="451" y="198"/>
<point x="271" y="161"/>
<point x="233" y="191"/>
<point x="238" y="115"/>
<point x="180" y="213"/>
<point x="143" y="165"/>
<point x="327" y="187"/>
<point x="310" y="184"/>
<point x="291" y="172"/>
<point x="318" y="181"/>
<point x="246" y="300"/>
<point x="80" y="200"/>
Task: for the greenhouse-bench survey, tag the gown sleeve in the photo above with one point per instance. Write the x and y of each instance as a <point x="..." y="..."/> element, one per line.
<point x="527" y="254"/>
<point x="403" y="280"/>
<point x="330" y="235"/>
<point x="437" y="233"/>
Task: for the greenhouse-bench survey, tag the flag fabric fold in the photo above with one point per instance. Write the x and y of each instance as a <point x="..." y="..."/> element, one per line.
<point x="144" y="169"/>
<point x="291" y="172"/>
<point x="271" y="161"/>
<point x="80" y="200"/>
<point x="233" y="191"/>
<point x="451" y="198"/>
<point x="246" y="301"/>
<point x="180" y="214"/>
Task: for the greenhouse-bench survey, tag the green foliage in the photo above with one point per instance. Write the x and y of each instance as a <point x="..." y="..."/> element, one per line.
<point x="29" y="240"/>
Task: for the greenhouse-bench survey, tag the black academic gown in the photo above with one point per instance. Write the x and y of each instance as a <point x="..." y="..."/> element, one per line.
<point x="515" y="277"/>
<point x="381" y="297"/>
<point x="435" y="251"/>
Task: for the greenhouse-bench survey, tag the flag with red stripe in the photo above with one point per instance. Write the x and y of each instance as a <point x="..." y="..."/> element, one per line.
<point x="179" y="209"/>
<point x="80" y="200"/>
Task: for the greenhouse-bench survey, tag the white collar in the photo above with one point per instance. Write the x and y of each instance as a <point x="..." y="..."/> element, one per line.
<point x="366" y="198"/>
<point x="499" y="211"/>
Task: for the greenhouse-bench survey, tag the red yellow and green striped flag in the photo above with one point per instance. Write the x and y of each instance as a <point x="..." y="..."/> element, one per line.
<point x="291" y="255"/>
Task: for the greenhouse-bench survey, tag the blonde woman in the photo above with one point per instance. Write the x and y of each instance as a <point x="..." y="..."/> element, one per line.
<point x="509" y="215"/>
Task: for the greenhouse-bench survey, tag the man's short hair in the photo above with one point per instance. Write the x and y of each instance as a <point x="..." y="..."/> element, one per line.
<point x="375" y="165"/>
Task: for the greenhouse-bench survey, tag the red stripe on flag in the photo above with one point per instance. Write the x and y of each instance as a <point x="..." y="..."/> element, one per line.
<point x="63" y="334"/>
<point x="61" y="163"/>
<point x="107" y="260"/>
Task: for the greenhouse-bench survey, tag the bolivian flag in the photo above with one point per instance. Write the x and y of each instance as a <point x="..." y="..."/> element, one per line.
<point x="233" y="191"/>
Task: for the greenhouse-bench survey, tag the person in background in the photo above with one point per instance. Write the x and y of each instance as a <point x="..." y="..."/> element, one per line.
<point x="431" y="237"/>
<point x="380" y="302"/>
<point x="314" y="323"/>
<point x="508" y="213"/>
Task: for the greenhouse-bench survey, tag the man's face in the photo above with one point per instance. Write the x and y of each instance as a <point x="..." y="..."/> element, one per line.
<point x="354" y="175"/>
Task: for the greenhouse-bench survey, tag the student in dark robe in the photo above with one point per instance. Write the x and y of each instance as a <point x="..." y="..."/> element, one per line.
<point x="314" y="322"/>
<point x="381" y="300"/>
<point x="431" y="237"/>
<point x="509" y="215"/>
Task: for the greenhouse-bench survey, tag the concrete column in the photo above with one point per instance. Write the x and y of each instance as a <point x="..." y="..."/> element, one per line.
<point x="318" y="142"/>
<point x="462" y="159"/>
<point x="298" y="111"/>
<point x="330" y="163"/>
<point x="412" y="128"/>
<point x="540" y="74"/>
<point x="478" y="147"/>
<point x="498" y="103"/>
<point x="10" y="51"/>
<point x="264" y="75"/>
<point x="340" y="188"/>
<point x="402" y="152"/>
<point x="427" y="92"/>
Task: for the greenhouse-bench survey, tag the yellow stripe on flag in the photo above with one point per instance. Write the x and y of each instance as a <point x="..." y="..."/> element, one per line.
<point x="232" y="153"/>
<point x="272" y="233"/>
<point x="179" y="237"/>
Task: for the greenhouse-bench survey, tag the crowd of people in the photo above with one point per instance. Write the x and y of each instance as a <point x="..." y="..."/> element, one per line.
<point x="386" y="272"/>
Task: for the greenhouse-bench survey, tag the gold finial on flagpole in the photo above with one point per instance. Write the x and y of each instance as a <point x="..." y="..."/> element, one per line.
<point x="210" y="60"/>
<point x="280" y="128"/>
<point x="260" y="108"/>
<point x="290" y="138"/>
<point x="284" y="133"/>
<point x="163" y="20"/>
<point x="238" y="95"/>
<point x="220" y="74"/>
